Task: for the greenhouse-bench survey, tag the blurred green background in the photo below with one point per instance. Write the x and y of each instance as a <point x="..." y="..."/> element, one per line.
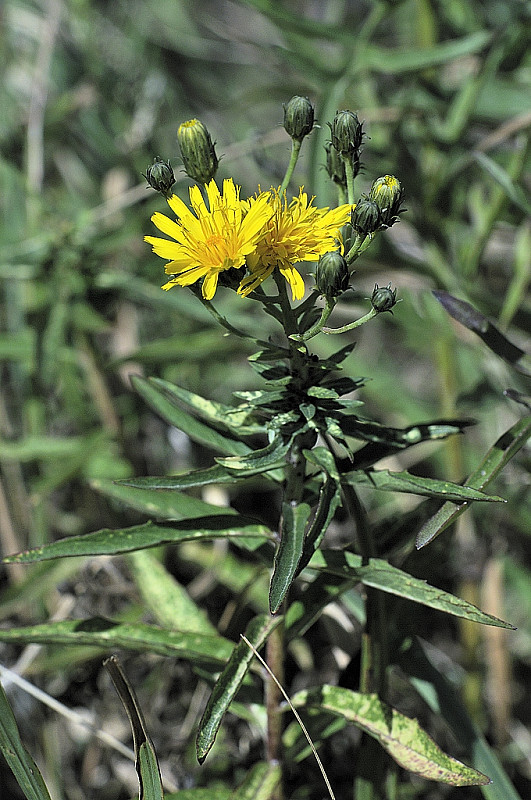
<point x="91" y="93"/>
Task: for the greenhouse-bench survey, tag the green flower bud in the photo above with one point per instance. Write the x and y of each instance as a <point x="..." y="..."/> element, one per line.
<point x="346" y="133"/>
<point x="331" y="275"/>
<point x="335" y="166"/>
<point x="384" y="298"/>
<point x="388" y="194"/>
<point x="366" y="218"/>
<point x="197" y="151"/>
<point x="160" y="177"/>
<point x="298" y="117"/>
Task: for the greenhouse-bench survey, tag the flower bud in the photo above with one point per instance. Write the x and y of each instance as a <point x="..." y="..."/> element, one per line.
<point x="365" y="218"/>
<point x="346" y="133"/>
<point x="160" y="177"/>
<point x="384" y="298"/>
<point x="388" y="194"/>
<point x="197" y="151"/>
<point x="331" y="275"/>
<point x="298" y="117"/>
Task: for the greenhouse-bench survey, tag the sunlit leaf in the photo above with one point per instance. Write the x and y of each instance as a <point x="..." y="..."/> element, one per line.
<point x="381" y="575"/>
<point x="403" y="738"/>
<point x="138" y="537"/>
<point x="109" y="634"/>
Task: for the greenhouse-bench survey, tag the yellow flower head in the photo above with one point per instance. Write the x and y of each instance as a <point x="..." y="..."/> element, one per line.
<point x="295" y="232"/>
<point x="208" y="240"/>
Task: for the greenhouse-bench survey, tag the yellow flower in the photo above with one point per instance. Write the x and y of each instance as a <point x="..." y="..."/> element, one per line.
<point x="296" y="232"/>
<point x="208" y="240"/>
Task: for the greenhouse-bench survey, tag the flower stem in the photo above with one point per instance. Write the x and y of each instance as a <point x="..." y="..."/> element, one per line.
<point x="351" y="325"/>
<point x="315" y="329"/>
<point x="295" y="150"/>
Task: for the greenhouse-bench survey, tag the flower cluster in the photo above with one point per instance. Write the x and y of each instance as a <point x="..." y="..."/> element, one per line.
<point x="263" y="234"/>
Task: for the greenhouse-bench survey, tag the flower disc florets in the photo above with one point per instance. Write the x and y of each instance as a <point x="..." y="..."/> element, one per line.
<point x="209" y="239"/>
<point x="297" y="231"/>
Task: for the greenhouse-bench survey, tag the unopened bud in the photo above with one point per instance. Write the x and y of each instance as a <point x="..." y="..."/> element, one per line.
<point x="383" y="298"/>
<point x="160" y="177"/>
<point x="365" y="218"/>
<point x="346" y="133"/>
<point x="298" y="117"/>
<point x="331" y="275"/>
<point x="388" y="194"/>
<point x="197" y="151"/>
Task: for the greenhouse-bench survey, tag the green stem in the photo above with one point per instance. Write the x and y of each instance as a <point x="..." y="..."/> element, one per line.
<point x="351" y="325"/>
<point x="295" y="150"/>
<point x="315" y="329"/>
<point x="374" y="639"/>
<point x="349" y="174"/>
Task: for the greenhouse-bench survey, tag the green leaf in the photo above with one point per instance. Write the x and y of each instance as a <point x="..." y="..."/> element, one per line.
<point x="475" y="321"/>
<point x="260" y="783"/>
<point x="405" y="482"/>
<point x="17" y="757"/>
<point x="165" y="505"/>
<point x="146" y="763"/>
<point x="403" y="738"/>
<point x="198" y="477"/>
<point x="169" y="602"/>
<point x="236" y="418"/>
<point x="289" y="552"/>
<point x="504" y="180"/>
<point x="385" y="441"/>
<point x="497" y="457"/>
<point x="131" y="636"/>
<point x="230" y="681"/>
<point x="381" y="575"/>
<point x="267" y="458"/>
<point x="446" y="702"/>
<point x="149" y="774"/>
<point x="167" y="407"/>
<point x="139" y="537"/>
<point x="329" y="500"/>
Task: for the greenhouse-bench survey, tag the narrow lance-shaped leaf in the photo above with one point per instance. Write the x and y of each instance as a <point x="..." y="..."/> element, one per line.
<point x="389" y="481"/>
<point x="258" y="461"/>
<point x="230" y="681"/>
<point x="382" y="441"/>
<point x="379" y="574"/>
<point x="107" y="634"/>
<point x="197" y="430"/>
<point x="235" y="418"/>
<point x="165" y="505"/>
<point x="495" y="460"/>
<point x="289" y="552"/>
<point x="197" y="477"/>
<point x="146" y="763"/>
<point x="475" y="321"/>
<point x="140" y="537"/>
<point x="403" y="738"/>
<point x="329" y="500"/>
<point x="17" y="757"/>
